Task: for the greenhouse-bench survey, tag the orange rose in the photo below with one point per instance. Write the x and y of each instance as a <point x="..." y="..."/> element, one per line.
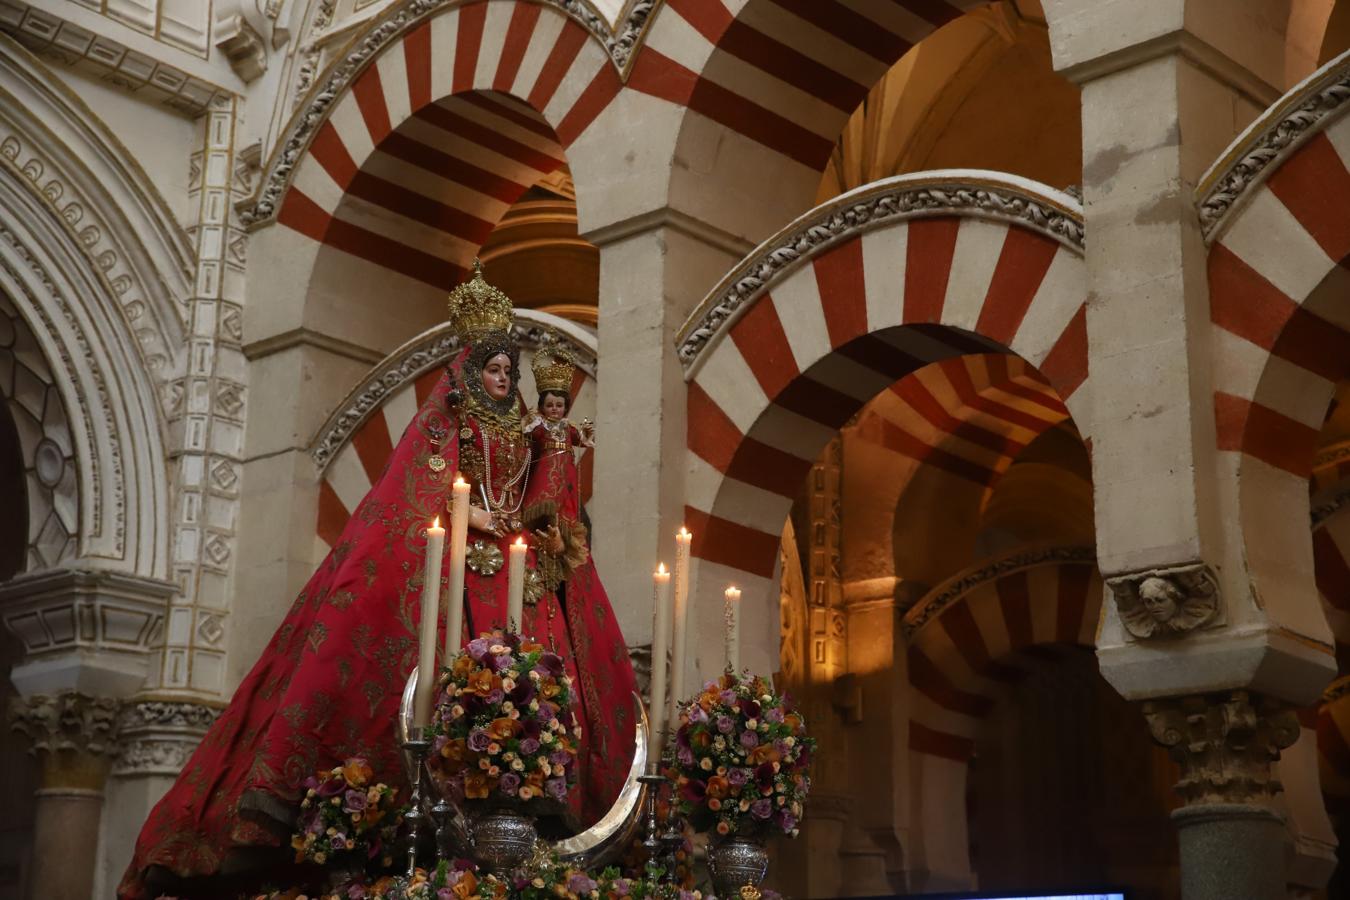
<point x="456" y="749"/>
<point x="462" y="666"/>
<point x="718" y="787"/>
<point x="502" y="729"/>
<point x="764" y="753"/>
<point x="357" y="772"/>
<point x="530" y="647"/>
<point x="466" y="886"/>
<point x="793" y="721"/>
<point x="475" y="785"/>
<point x="483" y="682"/>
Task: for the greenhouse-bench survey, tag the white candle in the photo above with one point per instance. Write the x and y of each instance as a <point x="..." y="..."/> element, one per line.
<point x="680" y="633"/>
<point x="431" y="610"/>
<point x="459" y="535"/>
<point x="660" y="643"/>
<point x="515" y="585"/>
<point x="731" y="612"/>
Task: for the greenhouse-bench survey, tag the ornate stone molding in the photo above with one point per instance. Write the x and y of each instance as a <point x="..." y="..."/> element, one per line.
<point x="641" y="657"/>
<point x="1225" y="744"/>
<point x="1303" y="112"/>
<point x="83" y="630"/>
<point x="157" y="736"/>
<point x="68" y="721"/>
<point x="952" y="193"/>
<point x="619" y="42"/>
<point x="1168" y="602"/>
<point x="961" y="584"/>
<point x="428" y="350"/>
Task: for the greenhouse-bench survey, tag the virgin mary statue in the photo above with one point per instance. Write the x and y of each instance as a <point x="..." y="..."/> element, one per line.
<point x="328" y="684"/>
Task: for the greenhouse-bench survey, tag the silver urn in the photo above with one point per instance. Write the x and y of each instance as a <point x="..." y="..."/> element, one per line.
<point x="736" y="862"/>
<point x="503" y="839"/>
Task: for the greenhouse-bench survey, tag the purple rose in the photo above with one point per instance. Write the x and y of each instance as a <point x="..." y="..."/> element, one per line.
<point x="310" y="784"/>
<point x="727" y="697"/>
<point x="479" y="740"/>
<point x="781" y="746"/>
<point x="580" y="884"/>
<point x="556" y="788"/>
<point x="545" y="713"/>
<point x="749" y="739"/>
<point x="560" y="757"/>
<point x="439" y="743"/>
<point x="529" y="746"/>
<point x="509" y="783"/>
<point x="738" y="777"/>
<point x="445" y="893"/>
<point x="725" y="724"/>
<point x="478" y="648"/>
<point x="685" y="756"/>
<point x="501" y="663"/>
<point x="354" y="801"/>
<point x="550" y="664"/>
<point x="697" y="715"/>
<point x="761" y="808"/>
<point x="786" y="820"/>
<point x="316" y="826"/>
<point x="494" y="697"/>
<point x="621" y="886"/>
<point x="775" y="715"/>
<point x="339" y="842"/>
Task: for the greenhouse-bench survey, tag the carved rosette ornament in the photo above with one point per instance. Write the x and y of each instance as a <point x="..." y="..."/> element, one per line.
<point x="1224" y="743"/>
<point x="1167" y="603"/>
<point x="68" y="721"/>
<point x="158" y="736"/>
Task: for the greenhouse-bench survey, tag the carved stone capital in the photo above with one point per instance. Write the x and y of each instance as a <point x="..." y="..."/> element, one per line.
<point x="1225" y="744"/>
<point x="1167" y="602"/>
<point x="641" y="657"/>
<point x="158" y="736"/>
<point x="66" y="721"/>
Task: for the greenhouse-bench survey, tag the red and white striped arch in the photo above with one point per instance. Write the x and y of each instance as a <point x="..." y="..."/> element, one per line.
<point x="355" y="456"/>
<point x="1331" y="553"/>
<point x="783" y="74"/>
<point x="969" y="416"/>
<point x="424" y="150"/>
<point x="1281" y="335"/>
<point x="771" y="381"/>
<point x="965" y="641"/>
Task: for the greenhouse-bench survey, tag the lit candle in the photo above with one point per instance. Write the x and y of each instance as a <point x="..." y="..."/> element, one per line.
<point x="680" y="633"/>
<point x="731" y="612"/>
<point x="431" y="609"/>
<point x="459" y="534"/>
<point x="660" y="643"/>
<point x="515" y="585"/>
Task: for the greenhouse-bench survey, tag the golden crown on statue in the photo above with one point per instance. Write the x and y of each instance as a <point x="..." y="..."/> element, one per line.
<point x="553" y="368"/>
<point x="477" y="308"/>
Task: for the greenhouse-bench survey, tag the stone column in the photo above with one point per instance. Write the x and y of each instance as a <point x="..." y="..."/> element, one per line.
<point x="74" y="735"/>
<point x="1232" y="837"/>
<point x="86" y="636"/>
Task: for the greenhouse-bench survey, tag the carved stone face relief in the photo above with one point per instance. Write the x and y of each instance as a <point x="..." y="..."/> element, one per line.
<point x="1165" y="603"/>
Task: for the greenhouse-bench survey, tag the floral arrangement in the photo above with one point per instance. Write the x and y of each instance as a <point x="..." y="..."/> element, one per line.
<point x="504" y="728"/>
<point x="739" y="759"/>
<point x="344" y="818"/>
<point x="548" y="879"/>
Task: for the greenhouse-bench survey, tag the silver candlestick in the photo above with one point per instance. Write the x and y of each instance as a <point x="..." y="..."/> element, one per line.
<point x="417" y="748"/>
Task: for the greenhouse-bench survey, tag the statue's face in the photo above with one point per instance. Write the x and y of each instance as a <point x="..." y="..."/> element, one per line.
<point x="497" y="376"/>
<point x="553" y="407"/>
<point x="1159" y="599"/>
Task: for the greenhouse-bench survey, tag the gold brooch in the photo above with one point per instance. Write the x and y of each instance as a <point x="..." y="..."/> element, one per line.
<point x="534" y="587"/>
<point x="466" y="433"/>
<point x="436" y="463"/>
<point x="484" y="558"/>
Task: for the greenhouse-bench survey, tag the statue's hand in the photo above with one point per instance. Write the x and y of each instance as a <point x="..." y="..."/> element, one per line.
<point x="550" y="539"/>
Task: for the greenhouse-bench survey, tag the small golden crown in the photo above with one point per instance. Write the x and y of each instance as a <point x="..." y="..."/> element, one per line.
<point x="553" y="369"/>
<point x="477" y="308"/>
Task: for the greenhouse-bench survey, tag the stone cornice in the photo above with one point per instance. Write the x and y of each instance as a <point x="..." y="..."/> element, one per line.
<point x="306" y="337"/>
<point x="619" y="42"/>
<point x="1303" y="112"/>
<point x="970" y="193"/>
<point x="961" y="584"/>
<point x="428" y="350"/>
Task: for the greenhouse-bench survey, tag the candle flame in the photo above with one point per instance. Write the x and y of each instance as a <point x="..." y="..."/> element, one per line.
<point x="684" y="532"/>
<point x="436" y="522"/>
<point x="459" y="480"/>
<point x="520" y="541"/>
<point x="660" y="568"/>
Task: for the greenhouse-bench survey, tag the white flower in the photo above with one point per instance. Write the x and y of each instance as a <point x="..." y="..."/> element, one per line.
<point x="534" y="676"/>
<point x="499" y="649"/>
<point x="752" y="724"/>
<point x="546" y="738"/>
<point x="517" y="766"/>
<point x="507" y="705"/>
<point x="706" y="764"/>
<point x="719" y="743"/>
<point x="789" y="740"/>
<point x="508" y="684"/>
<point x="534" y="706"/>
<point x="456" y="711"/>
